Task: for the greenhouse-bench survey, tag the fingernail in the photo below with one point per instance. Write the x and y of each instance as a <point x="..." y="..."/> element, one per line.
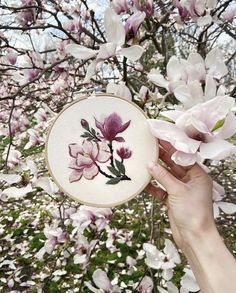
<point x="151" y="166"/>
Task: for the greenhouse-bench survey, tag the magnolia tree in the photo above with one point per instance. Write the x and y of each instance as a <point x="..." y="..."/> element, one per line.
<point x="176" y="61"/>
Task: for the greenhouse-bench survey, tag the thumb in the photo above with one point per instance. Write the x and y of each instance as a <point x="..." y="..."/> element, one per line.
<point x="163" y="176"/>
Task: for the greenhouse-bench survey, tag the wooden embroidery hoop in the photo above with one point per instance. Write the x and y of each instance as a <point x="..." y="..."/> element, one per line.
<point x="51" y="172"/>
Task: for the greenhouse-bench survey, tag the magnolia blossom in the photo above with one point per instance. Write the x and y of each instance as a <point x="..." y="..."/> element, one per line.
<point x="111" y="127"/>
<point x="171" y="288"/>
<point x="96" y="218"/>
<point x="184" y="77"/>
<point x="34" y="139"/>
<point x="197" y="10"/>
<point x="133" y="23"/>
<point x="83" y="249"/>
<point x="115" y="33"/>
<point x="146" y="285"/>
<point x="54" y="236"/>
<point x="14" y="157"/>
<point x="230" y="14"/>
<point x="145" y="6"/>
<point x="201" y="130"/>
<point x="11" y="57"/>
<point x="101" y="280"/>
<point x="120" y="6"/>
<point x="84" y="159"/>
<point x="165" y="260"/>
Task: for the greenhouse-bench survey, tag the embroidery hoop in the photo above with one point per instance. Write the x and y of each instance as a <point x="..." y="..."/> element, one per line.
<point x="154" y="156"/>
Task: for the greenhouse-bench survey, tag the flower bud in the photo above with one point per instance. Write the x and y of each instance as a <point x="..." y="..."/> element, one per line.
<point x="124" y="153"/>
<point x="84" y="123"/>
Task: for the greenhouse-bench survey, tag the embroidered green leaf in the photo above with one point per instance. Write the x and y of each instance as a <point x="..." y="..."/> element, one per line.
<point x="218" y="124"/>
<point x="120" y="166"/>
<point x="113" y="181"/>
<point x="113" y="170"/>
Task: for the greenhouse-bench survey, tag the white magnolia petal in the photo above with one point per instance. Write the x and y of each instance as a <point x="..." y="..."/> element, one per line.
<point x="195" y="58"/>
<point x="211" y="4"/>
<point x="188" y="281"/>
<point x="172" y="114"/>
<point x="114" y="28"/>
<point x="212" y="56"/>
<point x="132" y="53"/>
<point x="10" y="178"/>
<point x="90" y="71"/>
<point x="217" y="149"/>
<point x="92" y="289"/>
<point x="227" y="207"/>
<point x="210" y="88"/>
<point x="47" y="185"/>
<point x="171" y="133"/>
<point x="184" y="159"/>
<point x="204" y="20"/>
<point x="171" y="250"/>
<point x="146" y="285"/>
<point x="80" y="52"/>
<point x="79" y="259"/>
<point x="120" y="90"/>
<point x="182" y="93"/>
<point x="167" y="274"/>
<point x="171" y="288"/>
<point x="16" y="193"/>
<point x="175" y="70"/>
<point x="157" y="78"/>
<point x="229" y="127"/>
<point x="101" y="280"/>
<point x="216" y="210"/>
<point x="106" y="51"/>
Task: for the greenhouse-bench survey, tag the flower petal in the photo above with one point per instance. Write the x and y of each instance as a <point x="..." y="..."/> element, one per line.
<point x="171" y="133"/>
<point x="132" y="53"/>
<point x="157" y="78"/>
<point x="114" y="28"/>
<point x="227" y="207"/>
<point x="217" y="150"/>
<point x="83" y="161"/>
<point x="101" y="280"/>
<point x="80" y="52"/>
<point x="229" y="127"/>
<point x="75" y="149"/>
<point x="106" y="51"/>
<point x="90" y="71"/>
<point x="90" y="172"/>
<point x="184" y="159"/>
<point x="75" y="175"/>
<point x="104" y="153"/>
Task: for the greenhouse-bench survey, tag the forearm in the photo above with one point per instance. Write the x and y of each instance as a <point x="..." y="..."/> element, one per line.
<point x="213" y="265"/>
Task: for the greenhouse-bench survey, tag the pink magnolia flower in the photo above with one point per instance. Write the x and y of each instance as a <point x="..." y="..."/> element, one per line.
<point x="120" y="90"/>
<point x="84" y="159"/>
<point x="199" y="131"/>
<point x="120" y="6"/>
<point x="111" y="126"/>
<point x="101" y="280"/>
<point x="83" y="249"/>
<point x="124" y="153"/>
<point x="11" y="57"/>
<point x="133" y="23"/>
<point x="146" y="285"/>
<point x="145" y="6"/>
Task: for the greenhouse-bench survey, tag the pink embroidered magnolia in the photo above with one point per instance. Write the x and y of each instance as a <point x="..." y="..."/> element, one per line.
<point x="84" y="159"/>
<point x="111" y="127"/>
<point x="124" y="153"/>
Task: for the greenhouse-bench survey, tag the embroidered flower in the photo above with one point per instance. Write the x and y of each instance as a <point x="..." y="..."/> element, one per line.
<point x="111" y="126"/>
<point x="84" y="159"/>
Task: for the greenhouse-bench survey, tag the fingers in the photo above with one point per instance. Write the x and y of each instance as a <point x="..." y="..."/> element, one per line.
<point x="177" y="170"/>
<point x="156" y="191"/>
<point x="165" y="178"/>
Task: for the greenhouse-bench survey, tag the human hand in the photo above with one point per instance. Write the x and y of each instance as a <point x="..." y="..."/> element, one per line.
<point x="188" y="196"/>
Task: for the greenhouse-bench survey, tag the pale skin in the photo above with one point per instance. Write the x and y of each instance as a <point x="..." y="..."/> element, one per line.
<point x="188" y="197"/>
